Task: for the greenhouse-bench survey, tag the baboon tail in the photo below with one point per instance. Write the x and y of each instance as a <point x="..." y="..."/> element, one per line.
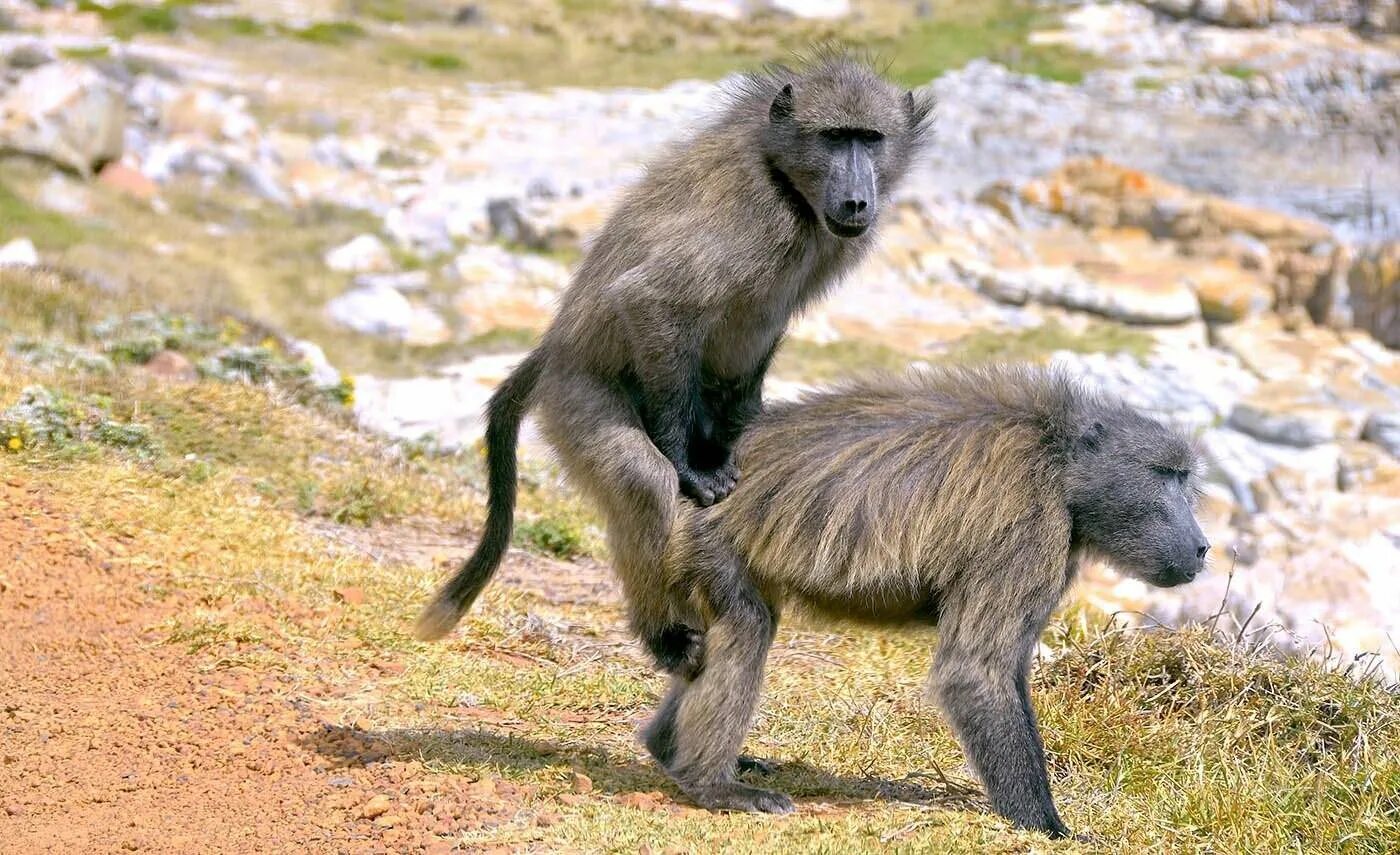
<point x="503" y="416"/>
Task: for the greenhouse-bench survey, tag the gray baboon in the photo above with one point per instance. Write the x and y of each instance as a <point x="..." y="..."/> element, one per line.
<point x="961" y="498"/>
<point x="655" y="361"/>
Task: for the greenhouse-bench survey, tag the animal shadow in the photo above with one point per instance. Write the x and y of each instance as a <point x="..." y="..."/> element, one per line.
<point x="615" y="775"/>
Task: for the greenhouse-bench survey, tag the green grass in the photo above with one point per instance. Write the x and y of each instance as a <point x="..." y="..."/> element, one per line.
<point x="1037" y="343"/>
<point x="332" y="33"/>
<point x="132" y="19"/>
<point x="808" y="361"/>
<point x="432" y="60"/>
<point x="48" y="230"/>
<point x="1239" y="72"/>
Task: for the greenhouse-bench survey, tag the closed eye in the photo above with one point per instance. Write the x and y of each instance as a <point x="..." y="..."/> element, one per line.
<point x="1175" y="474"/>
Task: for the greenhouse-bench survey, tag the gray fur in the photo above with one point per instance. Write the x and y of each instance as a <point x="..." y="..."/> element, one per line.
<point x="961" y="498"/>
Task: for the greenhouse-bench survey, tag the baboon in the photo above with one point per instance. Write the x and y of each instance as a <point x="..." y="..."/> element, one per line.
<point x="654" y="363"/>
<point x="961" y="498"/>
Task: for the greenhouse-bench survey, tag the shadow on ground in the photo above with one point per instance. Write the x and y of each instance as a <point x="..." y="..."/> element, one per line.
<point x="350" y="746"/>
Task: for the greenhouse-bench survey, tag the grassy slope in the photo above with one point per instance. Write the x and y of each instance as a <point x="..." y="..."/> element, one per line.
<point x="611" y="42"/>
<point x="1158" y="742"/>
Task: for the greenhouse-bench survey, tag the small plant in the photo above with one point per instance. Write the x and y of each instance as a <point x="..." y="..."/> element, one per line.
<point x="551" y="535"/>
<point x="42" y="417"/>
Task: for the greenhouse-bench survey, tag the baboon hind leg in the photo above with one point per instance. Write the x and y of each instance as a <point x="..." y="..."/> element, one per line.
<point x="606" y="452"/>
<point x="981" y="676"/>
<point x="710" y="716"/>
<point x="659" y="735"/>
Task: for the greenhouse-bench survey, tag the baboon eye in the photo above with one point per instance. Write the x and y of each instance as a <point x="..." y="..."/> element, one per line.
<point x="840" y="135"/>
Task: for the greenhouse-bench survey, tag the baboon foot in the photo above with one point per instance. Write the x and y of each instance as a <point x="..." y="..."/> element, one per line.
<point x="707" y="486"/>
<point x="756" y="765"/>
<point x="735" y="796"/>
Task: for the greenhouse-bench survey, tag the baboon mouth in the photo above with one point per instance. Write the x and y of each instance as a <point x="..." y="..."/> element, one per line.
<point x="845" y="230"/>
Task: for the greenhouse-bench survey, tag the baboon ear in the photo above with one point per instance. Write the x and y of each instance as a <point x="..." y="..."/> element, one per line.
<point x="918" y="108"/>
<point x="1090" y="440"/>
<point x="781" y="109"/>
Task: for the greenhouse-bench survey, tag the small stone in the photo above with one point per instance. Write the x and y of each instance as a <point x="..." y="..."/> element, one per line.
<point x="389" y="820"/>
<point x="375" y="807"/>
<point x="172" y="366"/>
<point x="127" y="180"/>
<point x="351" y="596"/>
<point x="484" y="788"/>
<point x="19" y="251"/>
<point x="363" y="254"/>
<point x="581" y="783"/>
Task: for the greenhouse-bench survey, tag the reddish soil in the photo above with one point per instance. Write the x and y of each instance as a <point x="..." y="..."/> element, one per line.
<point x="114" y="739"/>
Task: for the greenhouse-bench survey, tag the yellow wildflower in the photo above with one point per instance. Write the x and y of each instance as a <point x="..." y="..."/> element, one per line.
<point x="15" y="443"/>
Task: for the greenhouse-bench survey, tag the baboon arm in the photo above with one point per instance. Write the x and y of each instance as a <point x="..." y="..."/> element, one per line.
<point x="980" y="675"/>
<point x="741" y="403"/>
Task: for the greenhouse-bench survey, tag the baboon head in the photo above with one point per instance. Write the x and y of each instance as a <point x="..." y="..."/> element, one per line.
<point x="1131" y="487"/>
<point x="842" y="137"/>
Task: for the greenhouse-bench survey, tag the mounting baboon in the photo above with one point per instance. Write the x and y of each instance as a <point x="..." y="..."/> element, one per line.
<point x="654" y="363"/>
<point x="961" y="498"/>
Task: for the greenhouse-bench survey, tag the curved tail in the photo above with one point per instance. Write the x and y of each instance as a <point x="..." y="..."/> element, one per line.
<point x="503" y="416"/>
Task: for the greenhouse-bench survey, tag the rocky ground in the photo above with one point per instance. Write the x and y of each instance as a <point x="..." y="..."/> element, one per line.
<point x="1196" y="205"/>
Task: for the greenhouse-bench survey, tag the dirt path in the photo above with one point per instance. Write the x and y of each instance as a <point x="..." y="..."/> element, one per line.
<point x="113" y="739"/>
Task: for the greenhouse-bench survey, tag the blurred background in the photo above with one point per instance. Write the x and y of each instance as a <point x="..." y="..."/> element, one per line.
<point x="274" y="255"/>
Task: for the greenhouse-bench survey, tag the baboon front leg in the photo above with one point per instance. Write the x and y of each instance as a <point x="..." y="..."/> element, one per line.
<point x="714" y="712"/>
<point x="986" y="696"/>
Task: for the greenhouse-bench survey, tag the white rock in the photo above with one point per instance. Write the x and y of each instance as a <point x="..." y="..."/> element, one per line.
<point x="363" y="254"/>
<point x="374" y="309"/>
<point x="20" y="252"/>
<point x="323" y="374"/>
<point x="65" y="112"/>
<point x="448" y="407"/>
<point x="379" y="309"/>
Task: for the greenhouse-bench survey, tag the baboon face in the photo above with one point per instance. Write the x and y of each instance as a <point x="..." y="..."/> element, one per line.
<point x="843" y="136"/>
<point x="1131" y="492"/>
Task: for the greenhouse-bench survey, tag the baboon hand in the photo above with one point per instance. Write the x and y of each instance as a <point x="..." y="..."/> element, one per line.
<point x="709" y="486"/>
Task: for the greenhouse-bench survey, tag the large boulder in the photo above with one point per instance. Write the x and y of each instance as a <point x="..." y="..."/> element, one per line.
<point x="64" y="112"/>
<point x="1229" y="13"/>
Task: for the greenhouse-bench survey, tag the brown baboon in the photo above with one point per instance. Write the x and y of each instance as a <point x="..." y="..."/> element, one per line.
<point x="655" y="361"/>
<point x="961" y="498"/>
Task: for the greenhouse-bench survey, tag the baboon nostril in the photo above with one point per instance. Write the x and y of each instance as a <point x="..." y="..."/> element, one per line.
<point x="860" y="206"/>
<point x="851" y="206"/>
<point x="1202" y="550"/>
